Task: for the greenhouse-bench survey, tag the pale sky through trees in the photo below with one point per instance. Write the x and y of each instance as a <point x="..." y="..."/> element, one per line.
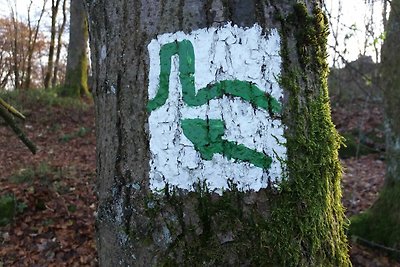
<point x="354" y="15"/>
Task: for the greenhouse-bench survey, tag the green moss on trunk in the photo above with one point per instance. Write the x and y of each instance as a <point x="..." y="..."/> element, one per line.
<point x="76" y="80"/>
<point x="309" y="210"/>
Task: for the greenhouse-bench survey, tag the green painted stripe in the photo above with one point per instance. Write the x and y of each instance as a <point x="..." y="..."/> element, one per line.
<point x="184" y="49"/>
<point x="206" y="135"/>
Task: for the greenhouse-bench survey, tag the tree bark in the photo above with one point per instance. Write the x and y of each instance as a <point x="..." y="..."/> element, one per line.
<point x="295" y="217"/>
<point x="76" y="83"/>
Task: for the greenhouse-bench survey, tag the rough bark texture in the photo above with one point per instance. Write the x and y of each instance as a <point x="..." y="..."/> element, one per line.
<point x="298" y="224"/>
<point x="381" y="223"/>
<point x="76" y="77"/>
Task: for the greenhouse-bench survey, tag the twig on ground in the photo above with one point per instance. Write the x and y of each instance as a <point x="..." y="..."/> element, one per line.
<point x="371" y="244"/>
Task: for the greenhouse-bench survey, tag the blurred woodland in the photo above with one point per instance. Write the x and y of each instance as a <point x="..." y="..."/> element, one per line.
<point x="47" y="199"/>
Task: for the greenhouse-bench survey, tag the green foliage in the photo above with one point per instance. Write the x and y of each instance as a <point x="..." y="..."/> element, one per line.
<point x="380" y="224"/>
<point x="46" y="175"/>
<point x="81" y="132"/>
<point x="354" y="147"/>
<point x="27" y="175"/>
<point x="72" y="208"/>
<point x="23" y="99"/>
<point x="9" y="207"/>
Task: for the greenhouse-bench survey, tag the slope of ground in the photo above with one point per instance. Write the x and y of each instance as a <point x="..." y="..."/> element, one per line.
<point x="53" y="191"/>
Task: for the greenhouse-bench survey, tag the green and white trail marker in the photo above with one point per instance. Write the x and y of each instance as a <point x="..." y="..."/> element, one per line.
<point x="214" y="109"/>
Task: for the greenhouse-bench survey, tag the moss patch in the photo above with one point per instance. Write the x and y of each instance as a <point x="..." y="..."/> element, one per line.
<point x="380" y="224"/>
<point x="353" y="147"/>
<point x="76" y="80"/>
<point x="309" y="209"/>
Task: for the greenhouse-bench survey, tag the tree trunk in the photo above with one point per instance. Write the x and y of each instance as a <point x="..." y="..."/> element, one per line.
<point x="380" y="224"/>
<point x="49" y="71"/>
<point x="76" y="83"/>
<point x="233" y="159"/>
<point x="16" y="51"/>
<point x="59" y="45"/>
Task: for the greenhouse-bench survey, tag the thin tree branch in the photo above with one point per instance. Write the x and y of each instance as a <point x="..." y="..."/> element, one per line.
<point x="374" y="245"/>
<point x="11" y="109"/>
<point x="21" y="135"/>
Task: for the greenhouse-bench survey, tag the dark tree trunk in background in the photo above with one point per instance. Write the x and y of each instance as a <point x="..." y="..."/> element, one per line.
<point x="76" y="83"/>
<point x="59" y="45"/>
<point x="17" y="82"/>
<point x="298" y="222"/>
<point x="380" y="223"/>
<point x="50" y="62"/>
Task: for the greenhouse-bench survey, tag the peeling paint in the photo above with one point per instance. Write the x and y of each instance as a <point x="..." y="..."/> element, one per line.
<point x="214" y="104"/>
<point x="103" y="52"/>
<point x="113" y="89"/>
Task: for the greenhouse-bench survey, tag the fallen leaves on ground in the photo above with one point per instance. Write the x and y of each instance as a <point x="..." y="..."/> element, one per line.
<point x="55" y="224"/>
<point x="363" y="176"/>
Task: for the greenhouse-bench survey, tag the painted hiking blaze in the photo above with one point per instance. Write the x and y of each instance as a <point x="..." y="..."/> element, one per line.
<point x="214" y="109"/>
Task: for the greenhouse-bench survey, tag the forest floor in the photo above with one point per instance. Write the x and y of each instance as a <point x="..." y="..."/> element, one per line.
<point x="53" y="191"/>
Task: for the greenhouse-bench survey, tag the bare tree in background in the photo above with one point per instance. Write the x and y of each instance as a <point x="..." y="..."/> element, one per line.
<point x="15" y="48"/>
<point x="50" y="63"/>
<point x="379" y="225"/>
<point x="32" y="41"/>
<point x="60" y="33"/>
<point x="22" y="43"/>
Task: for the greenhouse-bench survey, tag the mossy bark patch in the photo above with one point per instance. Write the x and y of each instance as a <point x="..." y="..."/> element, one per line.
<point x="76" y="79"/>
<point x="309" y="207"/>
